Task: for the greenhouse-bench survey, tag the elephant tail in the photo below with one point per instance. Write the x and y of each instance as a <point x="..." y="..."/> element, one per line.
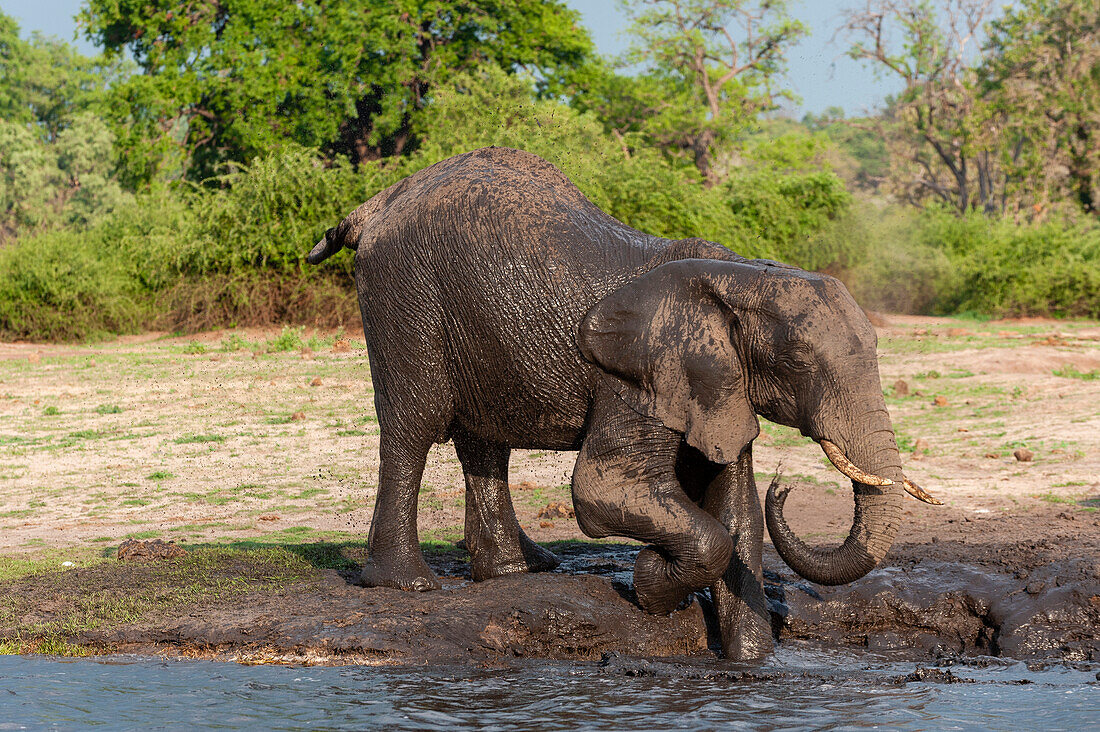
<point x="326" y="247"/>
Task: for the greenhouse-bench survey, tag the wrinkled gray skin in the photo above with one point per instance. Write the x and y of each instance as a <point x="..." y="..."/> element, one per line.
<point x="503" y="310"/>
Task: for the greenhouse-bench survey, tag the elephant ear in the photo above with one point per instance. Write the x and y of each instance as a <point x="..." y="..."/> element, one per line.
<point x="667" y="339"/>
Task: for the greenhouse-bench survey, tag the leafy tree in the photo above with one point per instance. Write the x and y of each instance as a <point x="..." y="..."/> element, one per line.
<point x="938" y="127"/>
<point x="709" y="70"/>
<point x="1043" y="78"/>
<point x="44" y="81"/>
<point x="861" y="155"/>
<point x="66" y="180"/>
<point x="226" y="81"/>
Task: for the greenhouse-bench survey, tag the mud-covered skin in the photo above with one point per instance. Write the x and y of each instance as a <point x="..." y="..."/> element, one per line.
<point x="502" y="308"/>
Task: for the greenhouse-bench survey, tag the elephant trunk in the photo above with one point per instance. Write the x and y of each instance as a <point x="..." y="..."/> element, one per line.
<point x="877" y="516"/>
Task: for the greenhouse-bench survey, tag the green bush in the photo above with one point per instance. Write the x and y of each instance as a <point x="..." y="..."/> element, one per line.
<point x="931" y="261"/>
<point x="1001" y="268"/>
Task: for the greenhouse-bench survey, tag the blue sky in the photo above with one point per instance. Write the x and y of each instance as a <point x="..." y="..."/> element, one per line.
<point x="819" y="72"/>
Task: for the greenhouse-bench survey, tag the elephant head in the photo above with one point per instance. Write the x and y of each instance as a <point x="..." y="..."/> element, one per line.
<point x="706" y="345"/>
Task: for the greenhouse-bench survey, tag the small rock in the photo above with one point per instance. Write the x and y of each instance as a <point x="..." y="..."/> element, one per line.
<point x="993" y="455"/>
<point x="920" y="331"/>
<point x="269" y="517"/>
<point x="1034" y="588"/>
<point x="962" y="429"/>
<point x="341" y="346"/>
<point x="935" y="540"/>
<point x="555" y="510"/>
<point x="215" y="357"/>
<point x="297" y="416"/>
<point x="316" y="381"/>
<point x="1024" y="455"/>
<point x="1066" y="516"/>
<point x="958" y="332"/>
<point x="901" y="388"/>
<point x="940" y="401"/>
<point x="546" y="524"/>
<point x="134" y="550"/>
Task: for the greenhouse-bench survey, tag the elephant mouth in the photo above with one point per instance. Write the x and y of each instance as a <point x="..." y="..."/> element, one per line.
<point x="841" y="462"/>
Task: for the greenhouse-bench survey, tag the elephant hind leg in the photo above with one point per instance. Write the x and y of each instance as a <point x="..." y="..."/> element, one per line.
<point x="496" y="543"/>
<point x="624" y="484"/>
<point x="394" y="557"/>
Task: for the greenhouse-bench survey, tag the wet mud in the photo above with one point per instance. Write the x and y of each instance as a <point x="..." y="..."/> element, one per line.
<point x="931" y="602"/>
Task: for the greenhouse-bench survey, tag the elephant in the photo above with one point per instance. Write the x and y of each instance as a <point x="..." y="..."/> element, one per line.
<point x="504" y="310"/>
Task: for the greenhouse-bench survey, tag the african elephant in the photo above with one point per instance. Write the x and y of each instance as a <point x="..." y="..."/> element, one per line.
<point x="502" y="309"/>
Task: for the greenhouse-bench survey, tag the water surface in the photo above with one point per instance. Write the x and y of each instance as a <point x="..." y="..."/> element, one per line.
<point x="798" y="691"/>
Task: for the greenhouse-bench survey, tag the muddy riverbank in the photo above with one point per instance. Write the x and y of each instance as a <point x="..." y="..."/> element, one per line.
<point x="1009" y="588"/>
<point x="257" y="452"/>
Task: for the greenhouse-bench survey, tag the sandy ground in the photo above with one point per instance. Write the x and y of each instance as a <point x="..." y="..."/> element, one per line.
<point x="209" y="438"/>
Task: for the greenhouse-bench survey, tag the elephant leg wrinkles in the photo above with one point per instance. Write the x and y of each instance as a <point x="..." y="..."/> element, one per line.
<point x="625" y="484"/>
<point x="743" y="617"/>
<point x="394" y="557"/>
<point x="496" y="543"/>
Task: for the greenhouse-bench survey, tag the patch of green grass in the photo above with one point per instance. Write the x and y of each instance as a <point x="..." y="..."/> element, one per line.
<point x="48" y="646"/>
<point x="290" y="339"/>
<point x="1072" y="372"/>
<point x="194" y="348"/>
<point x="136" y="502"/>
<point x="160" y="475"/>
<point x="87" y="435"/>
<point x="20" y="565"/>
<point x="236" y="342"/>
<point x="51" y="411"/>
<point x="108" y="409"/>
<point x="191" y="439"/>
<point x="931" y="374"/>
<point x="352" y="433"/>
<point x="309" y="493"/>
<point x="1052" y="498"/>
<point x="442" y="535"/>
<point x="113" y="594"/>
<point x="141" y="535"/>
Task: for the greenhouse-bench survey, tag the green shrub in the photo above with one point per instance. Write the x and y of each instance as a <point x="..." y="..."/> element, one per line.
<point x="1001" y="268"/>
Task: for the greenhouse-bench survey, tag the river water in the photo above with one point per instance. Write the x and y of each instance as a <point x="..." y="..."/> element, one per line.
<point x="794" y="691"/>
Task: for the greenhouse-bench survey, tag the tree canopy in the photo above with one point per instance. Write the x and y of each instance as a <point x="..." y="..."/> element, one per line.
<point x="223" y="82"/>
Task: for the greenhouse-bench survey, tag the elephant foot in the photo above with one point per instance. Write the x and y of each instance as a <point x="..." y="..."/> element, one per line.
<point x="658" y="593"/>
<point x="744" y="618"/>
<point x="749" y="639"/>
<point x="492" y="561"/>
<point x="409" y="572"/>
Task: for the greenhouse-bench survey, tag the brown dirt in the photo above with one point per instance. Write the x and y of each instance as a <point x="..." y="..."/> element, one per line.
<point x="217" y="447"/>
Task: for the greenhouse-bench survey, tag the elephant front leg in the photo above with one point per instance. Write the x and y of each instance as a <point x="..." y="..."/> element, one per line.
<point x="743" y="618"/>
<point x="624" y="484"/>
<point x="496" y="543"/>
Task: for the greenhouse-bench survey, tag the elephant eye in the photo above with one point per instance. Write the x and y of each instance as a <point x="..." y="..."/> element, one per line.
<point x="796" y="357"/>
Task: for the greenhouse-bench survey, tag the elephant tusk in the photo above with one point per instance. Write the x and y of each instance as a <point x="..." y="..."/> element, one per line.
<point x="844" y="465"/>
<point x="919" y="493"/>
